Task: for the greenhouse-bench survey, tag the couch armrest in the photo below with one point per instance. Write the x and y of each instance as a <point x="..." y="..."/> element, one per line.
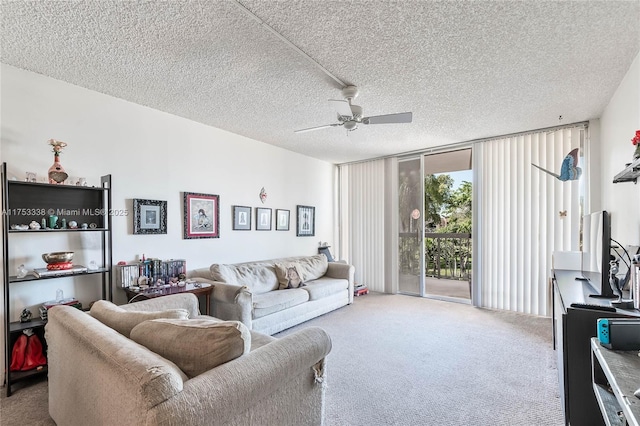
<point x="230" y="302"/>
<point x="343" y="271"/>
<point x="288" y="371"/>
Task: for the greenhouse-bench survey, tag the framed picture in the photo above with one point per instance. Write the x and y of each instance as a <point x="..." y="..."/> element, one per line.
<point x="263" y="219"/>
<point x="282" y="220"/>
<point x="306" y="221"/>
<point x="241" y="218"/>
<point x="201" y="215"/>
<point x="149" y="216"/>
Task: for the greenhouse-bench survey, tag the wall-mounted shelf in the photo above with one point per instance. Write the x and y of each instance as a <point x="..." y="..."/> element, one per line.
<point x="630" y="173"/>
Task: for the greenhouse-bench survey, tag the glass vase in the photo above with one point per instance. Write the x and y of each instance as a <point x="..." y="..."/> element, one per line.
<point x="636" y="153"/>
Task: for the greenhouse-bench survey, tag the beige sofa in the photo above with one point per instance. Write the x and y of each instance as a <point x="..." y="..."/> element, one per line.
<point x="250" y="292"/>
<point x="98" y="376"/>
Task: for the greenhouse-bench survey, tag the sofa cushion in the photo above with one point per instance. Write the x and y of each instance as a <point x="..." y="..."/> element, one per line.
<point x="123" y="321"/>
<point x="275" y="301"/>
<point x="257" y="339"/>
<point x="324" y="287"/>
<point x="195" y="345"/>
<point x="313" y="267"/>
<point x="259" y="278"/>
<point x="289" y="275"/>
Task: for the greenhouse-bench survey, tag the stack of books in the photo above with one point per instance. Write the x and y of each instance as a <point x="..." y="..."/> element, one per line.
<point x="71" y="301"/>
<point x="44" y="272"/>
<point x="360" y="289"/>
<point x="153" y="269"/>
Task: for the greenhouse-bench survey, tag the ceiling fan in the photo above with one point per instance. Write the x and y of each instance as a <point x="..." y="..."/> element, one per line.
<point x="350" y="115"/>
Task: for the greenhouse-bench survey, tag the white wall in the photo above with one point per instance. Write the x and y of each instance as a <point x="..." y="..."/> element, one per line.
<point x="618" y="124"/>
<point x="151" y="155"/>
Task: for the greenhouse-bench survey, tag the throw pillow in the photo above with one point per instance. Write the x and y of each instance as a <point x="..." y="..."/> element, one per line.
<point x="195" y="345"/>
<point x="313" y="267"/>
<point x="123" y="321"/>
<point x="289" y="275"/>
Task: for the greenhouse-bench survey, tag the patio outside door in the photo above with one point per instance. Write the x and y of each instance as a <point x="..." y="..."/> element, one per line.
<point x="448" y="225"/>
<point x="410" y="222"/>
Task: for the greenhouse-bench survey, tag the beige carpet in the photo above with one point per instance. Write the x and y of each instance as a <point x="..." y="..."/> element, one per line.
<point x="402" y="360"/>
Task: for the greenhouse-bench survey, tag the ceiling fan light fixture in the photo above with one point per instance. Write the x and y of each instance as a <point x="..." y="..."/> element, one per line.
<point x="350" y="125"/>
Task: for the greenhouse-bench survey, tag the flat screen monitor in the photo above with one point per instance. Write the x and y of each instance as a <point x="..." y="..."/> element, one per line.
<point x="596" y="253"/>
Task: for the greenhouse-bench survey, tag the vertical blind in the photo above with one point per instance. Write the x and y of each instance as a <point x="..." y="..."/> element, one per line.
<point x="524" y="215"/>
<point x="362" y="219"/>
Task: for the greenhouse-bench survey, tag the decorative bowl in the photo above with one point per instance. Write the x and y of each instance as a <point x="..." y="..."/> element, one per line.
<point x="58" y="257"/>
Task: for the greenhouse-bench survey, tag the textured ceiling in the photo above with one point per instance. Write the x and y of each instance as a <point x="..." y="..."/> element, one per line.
<point x="466" y="70"/>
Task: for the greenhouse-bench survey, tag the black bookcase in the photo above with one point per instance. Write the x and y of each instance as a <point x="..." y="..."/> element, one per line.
<point x="24" y="202"/>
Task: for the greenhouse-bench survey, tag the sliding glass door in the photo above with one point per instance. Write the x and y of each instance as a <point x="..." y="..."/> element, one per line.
<point x="410" y="224"/>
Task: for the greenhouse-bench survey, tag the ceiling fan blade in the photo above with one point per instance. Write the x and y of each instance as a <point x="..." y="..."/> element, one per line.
<point x="401" y="117"/>
<point x="342" y="107"/>
<point x="317" y="128"/>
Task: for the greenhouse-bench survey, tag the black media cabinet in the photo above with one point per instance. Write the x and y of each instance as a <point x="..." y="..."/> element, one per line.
<point x="573" y="329"/>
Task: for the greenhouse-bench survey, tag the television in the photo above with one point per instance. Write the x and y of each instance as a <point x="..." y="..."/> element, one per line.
<point x="596" y="253"/>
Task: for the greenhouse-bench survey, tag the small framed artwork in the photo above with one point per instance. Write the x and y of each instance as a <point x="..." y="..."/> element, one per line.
<point x="149" y="216"/>
<point x="201" y="215"/>
<point x="306" y="221"/>
<point x="282" y="220"/>
<point x="263" y="219"/>
<point x="241" y="218"/>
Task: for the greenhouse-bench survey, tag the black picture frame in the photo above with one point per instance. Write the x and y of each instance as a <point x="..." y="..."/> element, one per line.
<point x="201" y="215"/>
<point x="149" y="216"/>
<point x="282" y="219"/>
<point x="263" y="219"/>
<point x="241" y="218"/>
<point x="306" y="221"/>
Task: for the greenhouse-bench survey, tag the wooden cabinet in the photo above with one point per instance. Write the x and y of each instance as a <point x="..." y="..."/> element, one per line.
<point x="24" y="202"/>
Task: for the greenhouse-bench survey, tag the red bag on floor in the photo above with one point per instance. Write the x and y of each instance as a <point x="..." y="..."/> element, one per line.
<point x="34" y="356"/>
<point x="18" y="352"/>
<point x="27" y="353"/>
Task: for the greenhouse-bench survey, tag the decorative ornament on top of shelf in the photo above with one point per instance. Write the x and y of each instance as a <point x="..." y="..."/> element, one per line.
<point x="57" y="174"/>
<point x="636" y="142"/>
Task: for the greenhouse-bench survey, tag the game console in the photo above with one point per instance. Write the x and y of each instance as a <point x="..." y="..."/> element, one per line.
<point x="622" y="334"/>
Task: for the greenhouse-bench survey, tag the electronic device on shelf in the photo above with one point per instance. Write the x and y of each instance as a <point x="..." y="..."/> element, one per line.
<point x="596" y="253"/>
<point x="619" y="334"/>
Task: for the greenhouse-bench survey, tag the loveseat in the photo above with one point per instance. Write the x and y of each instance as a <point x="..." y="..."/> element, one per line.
<point x="257" y="294"/>
<point x="98" y="376"/>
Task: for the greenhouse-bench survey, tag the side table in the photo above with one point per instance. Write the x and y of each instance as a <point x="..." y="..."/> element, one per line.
<point x="151" y="292"/>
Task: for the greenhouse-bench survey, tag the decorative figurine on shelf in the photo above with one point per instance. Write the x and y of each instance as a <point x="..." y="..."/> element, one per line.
<point x="53" y="221"/>
<point x="57" y="175"/>
<point x="34" y="225"/>
<point x="636" y="142"/>
<point x="263" y="195"/>
<point x="21" y="271"/>
<point x="26" y="315"/>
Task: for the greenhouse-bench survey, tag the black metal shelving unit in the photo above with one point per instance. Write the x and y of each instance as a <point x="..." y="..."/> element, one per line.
<point x="23" y="202"/>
